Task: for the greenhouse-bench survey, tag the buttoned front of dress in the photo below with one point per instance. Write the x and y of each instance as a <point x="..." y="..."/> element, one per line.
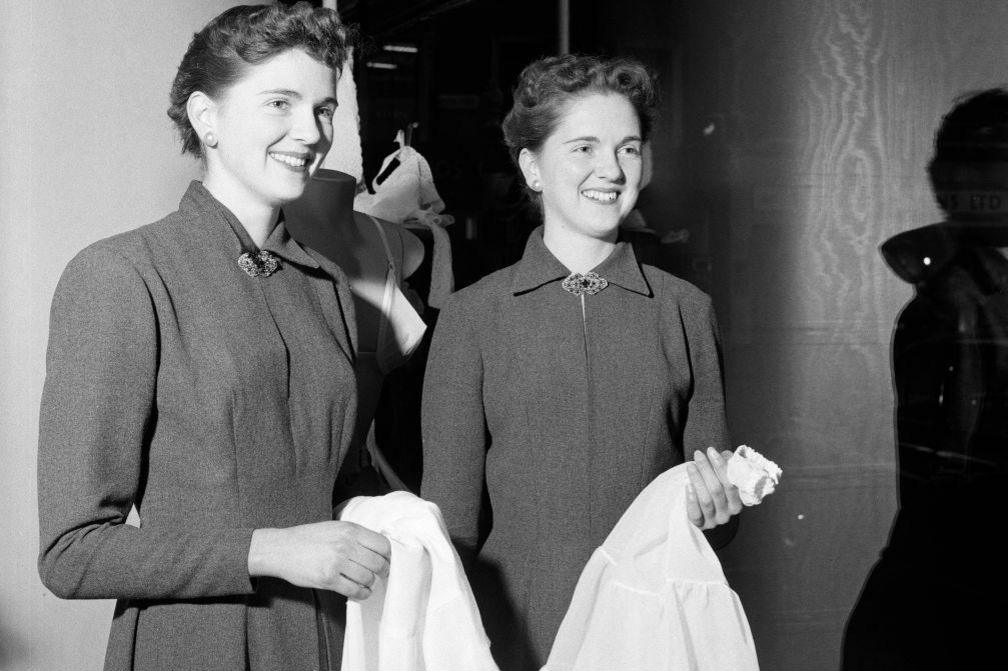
<point x="564" y="407"/>
<point x="215" y="401"/>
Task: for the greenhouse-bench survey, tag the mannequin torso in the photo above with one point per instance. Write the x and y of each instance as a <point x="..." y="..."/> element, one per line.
<point x="324" y="219"/>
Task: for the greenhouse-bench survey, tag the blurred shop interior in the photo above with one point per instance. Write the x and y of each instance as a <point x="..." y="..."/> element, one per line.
<point x="442" y="72"/>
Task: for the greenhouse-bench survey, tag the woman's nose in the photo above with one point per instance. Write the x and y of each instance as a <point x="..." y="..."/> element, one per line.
<point x="306" y="127"/>
<point x="608" y="167"/>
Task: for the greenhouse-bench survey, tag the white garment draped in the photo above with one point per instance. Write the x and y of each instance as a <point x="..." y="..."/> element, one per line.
<point x="653" y="596"/>
<point x="407" y="196"/>
<point x="423" y="617"/>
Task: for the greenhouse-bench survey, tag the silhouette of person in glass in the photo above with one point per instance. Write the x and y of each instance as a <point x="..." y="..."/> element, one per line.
<point x="936" y="598"/>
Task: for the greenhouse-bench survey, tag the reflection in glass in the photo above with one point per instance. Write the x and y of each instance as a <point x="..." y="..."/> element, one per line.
<point x="927" y="603"/>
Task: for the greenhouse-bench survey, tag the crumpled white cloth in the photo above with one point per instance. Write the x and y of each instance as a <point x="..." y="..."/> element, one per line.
<point x="423" y="616"/>
<point x="654" y="597"/>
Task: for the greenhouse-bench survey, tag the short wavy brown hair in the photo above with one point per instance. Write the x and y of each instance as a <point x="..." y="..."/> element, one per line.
<point x="221" y="53"/>
<point x="546" y="85"/>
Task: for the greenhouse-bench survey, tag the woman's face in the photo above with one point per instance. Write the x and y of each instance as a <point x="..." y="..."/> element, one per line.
<point x="589" y="169"/>
<point x="273" y="128"/>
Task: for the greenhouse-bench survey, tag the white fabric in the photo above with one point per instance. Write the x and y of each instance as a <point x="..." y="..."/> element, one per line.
<point x="654" y="597"/>
<point x="345" y="154"/>
<point x="410" y="187"/>
<point x="442" y="282"/>
<point x="401" y="328"/>
<point x="408" y="195"/>
<point x="423" y="617"/>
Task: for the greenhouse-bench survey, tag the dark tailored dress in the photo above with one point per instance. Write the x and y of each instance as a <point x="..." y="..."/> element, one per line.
<point x="217" y="403"/>
<point x="564" y="410"/>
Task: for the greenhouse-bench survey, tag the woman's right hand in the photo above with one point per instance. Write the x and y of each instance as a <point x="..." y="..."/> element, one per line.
<point x="339" y="556"/>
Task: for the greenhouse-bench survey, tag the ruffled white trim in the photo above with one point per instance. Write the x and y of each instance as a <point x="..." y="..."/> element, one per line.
<point x="654" y="596"/>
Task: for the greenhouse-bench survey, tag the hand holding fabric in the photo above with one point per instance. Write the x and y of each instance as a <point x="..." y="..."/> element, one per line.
<point x="338" y="556"/>
<point x="711" y="498"/>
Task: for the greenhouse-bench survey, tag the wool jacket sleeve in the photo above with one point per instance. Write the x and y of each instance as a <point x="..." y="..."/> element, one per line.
<point x="706" y="423"/>
<point x="454" y="427"/>
<point x="97" y="417"/>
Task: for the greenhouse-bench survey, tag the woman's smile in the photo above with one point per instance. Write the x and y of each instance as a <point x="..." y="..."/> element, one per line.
<point x="603" y="197"/>
<point x="296" y="161"/>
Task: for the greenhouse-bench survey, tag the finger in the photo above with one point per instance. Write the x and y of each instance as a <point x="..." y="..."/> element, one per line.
<point x="714" y="485"/>
<point x="370" y="561"/>
<point x="733" y="503"/>
<point x="350" y="589"/>
<point x="374" y="561"/>
<point x="356" y="573"/>
<point x="703" y="497"/>
<point x="375" y="542"/>
<point x="693" y="511"/>
<point x="731" y="492"/>
<point x="719" y="465"/>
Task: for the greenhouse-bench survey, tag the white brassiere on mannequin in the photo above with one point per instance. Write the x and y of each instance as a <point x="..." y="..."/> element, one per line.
<point x="401" y="328"/>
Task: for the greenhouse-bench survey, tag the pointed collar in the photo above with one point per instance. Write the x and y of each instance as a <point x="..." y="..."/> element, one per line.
<point x="230" y="232"/>
<point x="283" y="245"/>
<point x="538" y="267"/>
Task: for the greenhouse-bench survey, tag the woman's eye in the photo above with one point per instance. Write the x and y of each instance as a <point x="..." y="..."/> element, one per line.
<point x="279" y="104"/>
<point x="326" y="112"/>
<point x="631" y="150"/>
<point x="583" y="149"/>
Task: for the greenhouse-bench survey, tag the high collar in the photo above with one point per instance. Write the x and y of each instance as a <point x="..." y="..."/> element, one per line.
<point x="539" y="267"/>
<point x="230" y="232"/>
<point x="923" y="255"/>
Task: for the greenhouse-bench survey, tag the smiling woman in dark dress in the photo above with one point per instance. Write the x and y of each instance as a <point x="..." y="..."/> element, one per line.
<point x="201" y="369"/>
<point x="565" y="383"/>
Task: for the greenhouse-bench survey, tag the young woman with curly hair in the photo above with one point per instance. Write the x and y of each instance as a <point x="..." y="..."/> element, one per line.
<point x="559" y="387"/>
<point x="201" y="369"/>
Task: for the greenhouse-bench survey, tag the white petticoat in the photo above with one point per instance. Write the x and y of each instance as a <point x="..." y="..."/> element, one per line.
<point x="654" y="597"/>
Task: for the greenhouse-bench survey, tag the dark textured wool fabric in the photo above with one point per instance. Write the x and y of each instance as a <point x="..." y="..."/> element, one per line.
<point x="215" y="402"/>
<point x="564" y="414"/>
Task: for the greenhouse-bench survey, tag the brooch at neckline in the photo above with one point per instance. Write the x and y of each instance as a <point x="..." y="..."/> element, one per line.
<point x="259" y="264"/>
<point x="584" y="283"/>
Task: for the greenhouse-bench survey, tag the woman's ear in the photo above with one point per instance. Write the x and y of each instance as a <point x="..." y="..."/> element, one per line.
<point x="202" y="112"/>
<point x="530" y="169"/>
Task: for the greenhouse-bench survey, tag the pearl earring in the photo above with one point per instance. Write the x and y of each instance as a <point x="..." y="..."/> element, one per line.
<point x="210" y="139"/>
<point x="536" y="186"/>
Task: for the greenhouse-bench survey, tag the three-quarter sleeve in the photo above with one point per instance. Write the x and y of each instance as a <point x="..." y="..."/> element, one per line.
<point x="454" y="428"/>
<point x="98" y="413"/>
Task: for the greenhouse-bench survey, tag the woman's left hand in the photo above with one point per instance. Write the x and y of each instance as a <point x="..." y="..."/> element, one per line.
<point x="711" y="500"/>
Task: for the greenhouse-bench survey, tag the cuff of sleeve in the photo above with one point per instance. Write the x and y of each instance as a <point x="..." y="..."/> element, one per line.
<point x="236" y="546"/>
<point x="718" y="537"/>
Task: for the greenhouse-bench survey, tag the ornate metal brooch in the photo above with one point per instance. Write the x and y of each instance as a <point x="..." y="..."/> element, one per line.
<point x="261" y="263"/>
<point x="588" y="283"/>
